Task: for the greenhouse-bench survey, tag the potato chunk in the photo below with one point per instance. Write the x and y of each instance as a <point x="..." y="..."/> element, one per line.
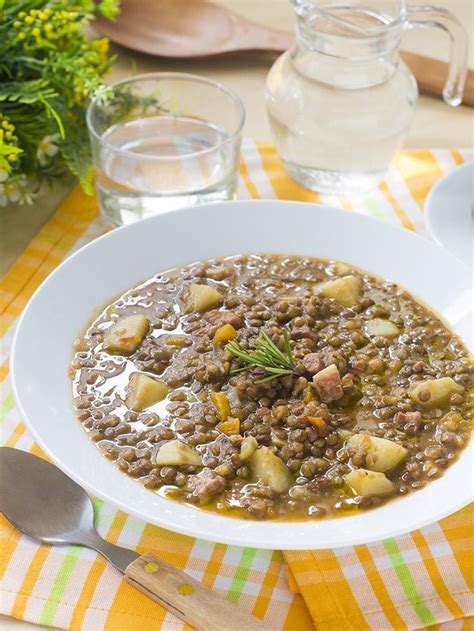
<point x="126" y="335"/>
<point x="176" y="453"/>
<point x="270" y="470"/>
<point x="382" y="327"/>
<point x="204" y="297"/>
<point x="341" y="268"/>
<point x="247" y="448"/>
<point x="434" y="392"/>
<point x="367" y="483"/>
<point x="382" y="454"/>
<point x="344" y="290"/>
<point x="144" y="391"/>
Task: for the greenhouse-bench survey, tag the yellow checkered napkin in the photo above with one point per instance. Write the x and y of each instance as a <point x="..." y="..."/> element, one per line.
<point x="414" y="581"/>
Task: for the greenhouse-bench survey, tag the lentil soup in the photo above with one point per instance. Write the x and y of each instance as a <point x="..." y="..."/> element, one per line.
<point x="271" y="386"/>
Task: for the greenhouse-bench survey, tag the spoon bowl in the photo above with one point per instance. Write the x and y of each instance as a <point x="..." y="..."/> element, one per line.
<point x="40" y="500"/>
<point x="48" y="506"/>
<point x="45" y="504"/>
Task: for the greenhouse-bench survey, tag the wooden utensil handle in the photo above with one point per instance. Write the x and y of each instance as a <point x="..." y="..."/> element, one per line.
<point x="431" y="75"/>
<point x="188" y="599"/>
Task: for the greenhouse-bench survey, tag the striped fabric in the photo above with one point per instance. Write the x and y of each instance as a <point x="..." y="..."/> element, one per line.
<point x="419" y="580"/>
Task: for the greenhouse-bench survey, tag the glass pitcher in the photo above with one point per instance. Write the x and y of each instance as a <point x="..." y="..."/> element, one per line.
<point x="340" y="101"/>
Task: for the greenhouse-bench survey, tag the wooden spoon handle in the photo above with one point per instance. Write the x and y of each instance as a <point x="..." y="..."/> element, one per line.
<point x="188" y="599"/>
<point x="431" y="75"/>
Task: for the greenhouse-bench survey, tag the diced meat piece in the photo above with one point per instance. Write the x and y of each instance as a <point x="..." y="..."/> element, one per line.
<point x="419" y="366"/>
<point x="179" y="376"/>
<point x="313" y="362"/>
<point x="219" y="318"/>
<point x="302" y="332"/>
<point x="407" y="417"/>
<point x="180" y="371"/>
<point x="154" y="355"/>
<point x="219" y="273"/>
<point x="410" y="421"/>
<point x="206" y="485"/>
<point x="328" y="384"/>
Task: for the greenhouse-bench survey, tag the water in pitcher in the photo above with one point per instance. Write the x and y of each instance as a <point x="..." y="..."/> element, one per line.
<point x="157" y="163"/>
<point x="337" y="121"/>
<point x="339" y="145"/>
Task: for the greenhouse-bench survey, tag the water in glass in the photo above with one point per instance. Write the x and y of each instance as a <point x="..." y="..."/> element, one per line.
<point x="187" y="170"/>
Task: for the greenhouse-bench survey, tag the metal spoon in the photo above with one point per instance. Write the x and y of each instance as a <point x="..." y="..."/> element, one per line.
<point x="42" y="502"/>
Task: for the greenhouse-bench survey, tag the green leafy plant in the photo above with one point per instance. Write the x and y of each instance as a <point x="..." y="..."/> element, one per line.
<point x="265" y="357"/>
<point x="48" y="72"/>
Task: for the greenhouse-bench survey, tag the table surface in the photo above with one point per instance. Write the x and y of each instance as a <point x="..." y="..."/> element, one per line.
<point x="435" y="125"/>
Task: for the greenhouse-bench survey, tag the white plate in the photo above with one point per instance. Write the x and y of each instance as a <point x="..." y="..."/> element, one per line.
<point x="117" y="261"/>
<point x="449" y="212"/>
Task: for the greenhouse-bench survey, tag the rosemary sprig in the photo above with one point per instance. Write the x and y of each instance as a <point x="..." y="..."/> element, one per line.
<point x="265" y="355"/>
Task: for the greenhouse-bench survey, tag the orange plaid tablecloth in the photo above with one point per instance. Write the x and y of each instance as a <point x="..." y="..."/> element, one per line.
<point x="418" y="580"/>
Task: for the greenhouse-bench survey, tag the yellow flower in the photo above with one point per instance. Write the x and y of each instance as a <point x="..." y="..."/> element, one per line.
<point x="101" y="47"/>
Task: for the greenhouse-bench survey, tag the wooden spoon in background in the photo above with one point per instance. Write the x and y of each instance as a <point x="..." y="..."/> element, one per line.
<point x="198" y="28"/>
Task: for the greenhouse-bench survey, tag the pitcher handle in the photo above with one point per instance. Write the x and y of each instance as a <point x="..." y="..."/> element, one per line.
<point x="436" y="17"/>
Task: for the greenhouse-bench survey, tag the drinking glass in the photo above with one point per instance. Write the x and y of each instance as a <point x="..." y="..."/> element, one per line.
<point x="162" y="141"/>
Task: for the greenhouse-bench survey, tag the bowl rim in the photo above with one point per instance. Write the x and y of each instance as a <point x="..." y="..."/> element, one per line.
<point x="238" y="534"/>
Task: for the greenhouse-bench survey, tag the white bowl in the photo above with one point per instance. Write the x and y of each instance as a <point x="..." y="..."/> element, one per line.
<point x="105" y="268"/>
